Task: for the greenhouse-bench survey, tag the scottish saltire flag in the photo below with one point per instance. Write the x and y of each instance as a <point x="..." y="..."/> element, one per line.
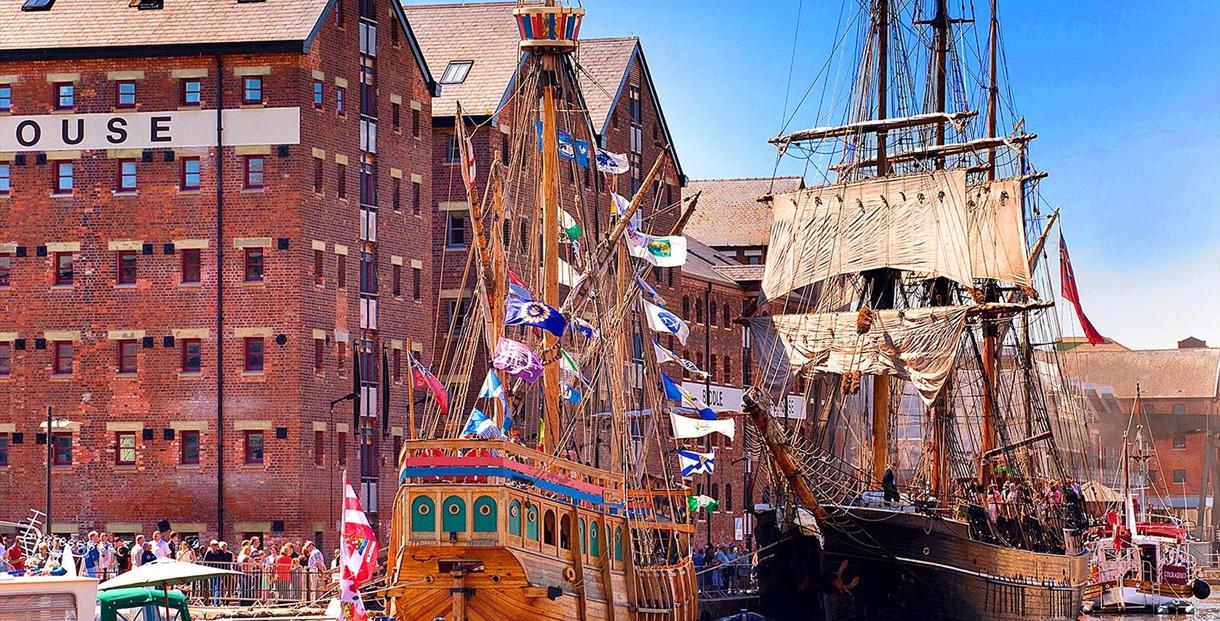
<point x="675" y="392"/>
<point x="613" y="163"/>
<point x="517" y="287"/>
<point x="517" y="359"/>
<point x="571" y="395"/>
<point x="650" y="294"/>
<point x="520" y="312"/>
<point x="668" y="251"/>
<point x="585" y="328"/>
<point x="493" y="388"/>
<point x="662" y="320"/>
<point x="686" y="427"/>
<point x="664" y="355"/>
<point x="693" y="463"/>
<point x="480" y="425"/>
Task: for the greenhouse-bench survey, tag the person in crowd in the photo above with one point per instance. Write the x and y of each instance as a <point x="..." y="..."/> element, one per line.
<point x="249" y="568"/>
<point x="147" y="556"/>
<point x="889" y="484"/>
<point x="214" y="557"/>
<point x="722" y="568"/>
<point x="335" y="560"/>
<point x="137" y="552"/>
<point x="172" y="544"/>
<point x="15" y="557"/>
<point x="700" y="563"/>
<point x="184" y="552"/>
<point x="122" y="558"/>
<point x="281" y="566"/>
<point x="106" y="555"/>
<point x="92" y="557"/>
<point x="314" y="566"/>
<point x="159" y="546"/>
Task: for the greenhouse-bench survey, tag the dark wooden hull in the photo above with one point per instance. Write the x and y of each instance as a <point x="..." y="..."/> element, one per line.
<point x="909" y="566"/>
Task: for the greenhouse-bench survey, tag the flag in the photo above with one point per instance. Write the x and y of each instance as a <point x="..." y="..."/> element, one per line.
<point x="668" y="251"/>
<point x="1072" y="294"/>
<point x="569" y="147"/>
<point x="620" y="205"/>
<point x="571" y="395"/>
<point x="493" y="388"/>
<point x="613" y="163"/>
<point x="358" y="552"/>
<point x="664" y="355"/>
<point x="520" y="312"/>
<point x="695" y="503"/>
<point x="517" y="359"/>
<point x="685" y="427"/>
<point x="693" y="463"/>
<point x="351" y="607"/>
<point x="468" y="163"/>
<point x="675" y="392"/>
<point x="569" y="224"/>
<point x="662" y="320"/>
<point x="650" y="294"/>
<point x="67" y="562"/>
<point x="585" y="328"/>
<point x="568" y="275"/>
<point x="422" y="378"/>
<point x="479" y="425"/>
<point x="517" y="287"/>
<point x="568" y="365"/>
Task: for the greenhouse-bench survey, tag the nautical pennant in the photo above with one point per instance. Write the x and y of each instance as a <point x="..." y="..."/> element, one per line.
<point x="518" y="287"/>
<point x="650" y="294"/>
<point x="493" y="388"/>
<point x="357" y="554"/>
<point x="620" y="205"/>
<point x="570" y="227"/>
<point x="664" y="355"/>
<point x="675" y="392"/>
<point x="1070" y="293"/>
<point x="518" y="312"/>
<point x="585" y="328"/>
<point x="662" y="320"/>
<point x="571" y="395"/>
<point x="569" y="147"/>
<point x="568" y="365"/>
<point x="517" y="359"/>
<point x="692" y="462"/>
<point x="613" y="163"/>
<point x="695" y="503"/>
<point x="668" y="251"/>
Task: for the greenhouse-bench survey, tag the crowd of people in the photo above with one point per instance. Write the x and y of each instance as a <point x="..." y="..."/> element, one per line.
<point x="281" y="570"/>
<point x="723" y="567"/>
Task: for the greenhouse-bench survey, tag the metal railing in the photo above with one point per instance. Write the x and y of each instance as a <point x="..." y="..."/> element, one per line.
<point x="261" y="584"/>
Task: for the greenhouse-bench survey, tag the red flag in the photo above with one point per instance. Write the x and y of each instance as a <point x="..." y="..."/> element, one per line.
<point x="1072" y="294"/>
<point x="357" y="554"/>
<point x="423" y="378"/>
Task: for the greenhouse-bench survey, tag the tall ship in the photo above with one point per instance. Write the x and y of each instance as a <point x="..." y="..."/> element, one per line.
<point x="572" y="519"/>
<point x="938" y="475"/>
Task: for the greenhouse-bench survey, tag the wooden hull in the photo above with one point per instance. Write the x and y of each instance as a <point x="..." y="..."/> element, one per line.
<point x="910" y="567"/>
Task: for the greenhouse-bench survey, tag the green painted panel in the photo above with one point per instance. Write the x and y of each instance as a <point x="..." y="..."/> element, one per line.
<point x="485" y="515"/>
<point x="423" y="515"/>
<point x="594" y="539"/>
<point x="453" y="518"/>
<point x="514" y="518"/>
<point x="531" y="521"/>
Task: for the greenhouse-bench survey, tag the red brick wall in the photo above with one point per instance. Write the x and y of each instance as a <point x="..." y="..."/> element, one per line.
<point x="93" y="491"/>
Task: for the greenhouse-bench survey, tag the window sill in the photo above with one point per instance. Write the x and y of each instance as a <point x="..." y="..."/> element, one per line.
<point x="190" y="374"/>
<point x="60" y="377"/>
<point x="61" y="287"/>
<point x="190" y="285"/>
<point x="252" y="190"/>
<point x="125" y="467"/>
<point x="128" y="375"/>
<point x="190" y="467"/>
<point x="63" y="194"/>
<point x="254" y="466"/>
<point x="189" y="191"/>
<point x="124" y="192"/>
<point x="456" y="248"/>
<point x="253" y="374"/>
<point x="253" y="283"/>
<point x="127" y="285"/>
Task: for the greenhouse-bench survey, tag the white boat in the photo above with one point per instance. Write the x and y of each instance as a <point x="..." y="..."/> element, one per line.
<point x="47" y="598"/>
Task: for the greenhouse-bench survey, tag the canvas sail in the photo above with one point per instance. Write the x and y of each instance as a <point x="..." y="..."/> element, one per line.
<point x="915" y="344"/>
<point x="914" y="222"/>
<point x="997" y="232"/>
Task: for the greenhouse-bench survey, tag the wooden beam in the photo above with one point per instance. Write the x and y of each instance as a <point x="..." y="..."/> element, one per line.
<point x="873" y="125"/>
<point x="947" y="150"/>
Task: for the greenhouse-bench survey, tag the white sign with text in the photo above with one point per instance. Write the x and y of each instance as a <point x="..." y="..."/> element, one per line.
<point x="148" y="130"/>
<point x="729" y="398"/>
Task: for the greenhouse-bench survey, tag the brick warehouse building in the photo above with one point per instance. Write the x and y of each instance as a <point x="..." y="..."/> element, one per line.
<point x="125" y="233"/>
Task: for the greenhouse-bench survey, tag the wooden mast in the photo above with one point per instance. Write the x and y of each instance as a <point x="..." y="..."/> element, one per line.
<point x="993" y="89"/>
<point x="550" y="246"/>
<point x="990" y="332"/>
<point x="883" y="280"/>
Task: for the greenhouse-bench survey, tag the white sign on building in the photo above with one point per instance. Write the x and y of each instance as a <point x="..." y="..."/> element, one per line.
<point x="729" y="398"/>
<point x="148" y="130"/>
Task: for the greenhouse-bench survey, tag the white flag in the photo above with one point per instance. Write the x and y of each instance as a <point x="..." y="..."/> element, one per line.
<point x="662" y="320"/>
<point x="568" y="275"/>
<point x="613" y="163"/>
<point x="686" y="427"/>
<point x="620" y="205"/>
<point x="667" y="251"/>
<point x="664" y="355"/>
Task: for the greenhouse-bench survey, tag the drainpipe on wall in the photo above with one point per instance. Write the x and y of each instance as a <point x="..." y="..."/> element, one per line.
<point x="220" y="298"/>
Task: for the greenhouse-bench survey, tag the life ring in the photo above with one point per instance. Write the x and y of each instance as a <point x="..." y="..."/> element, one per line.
<point x="569" y="574"/>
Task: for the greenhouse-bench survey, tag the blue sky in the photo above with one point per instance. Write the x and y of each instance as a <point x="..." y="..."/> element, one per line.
<point x="1125" y="98"/>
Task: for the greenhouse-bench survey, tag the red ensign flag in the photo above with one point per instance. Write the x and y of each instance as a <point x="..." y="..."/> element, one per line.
<point x="1072" y="294"/>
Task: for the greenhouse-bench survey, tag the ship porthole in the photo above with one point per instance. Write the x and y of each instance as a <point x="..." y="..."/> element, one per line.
<point x="514" y="510"/>
<point x="484" y="509"/>
<point x="926" y="551"/>
<point x="427" y="579"/>
<point x="423" y="509"/>
<point x="532" y="515"/>
<point x="454" y="509"/>
<point x="495" y="579"/>
<point x="569" y="574"/>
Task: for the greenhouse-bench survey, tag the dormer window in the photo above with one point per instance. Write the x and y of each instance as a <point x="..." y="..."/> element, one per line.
<point x="456" y="72"/>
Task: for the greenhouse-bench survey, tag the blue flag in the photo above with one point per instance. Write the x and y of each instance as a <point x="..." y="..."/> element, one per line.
<point x="569" y="147"/>
<point x="693" y="462"/>
<point x="493" y="388"/>
<point x="571" y="395"/>
<point x="585" y="328"/>
<point x="649" y="292"/>
<point x="520" y="312"/>
<point x="480" y="425"/>
<point x="675" y="392"/>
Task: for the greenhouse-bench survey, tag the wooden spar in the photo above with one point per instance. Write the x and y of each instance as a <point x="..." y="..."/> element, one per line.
<point x="881" y="425"/>
<point x="1036" y="251"/>
<point x="940" y="25"/>
<point x="778" y="448"/>
<point x="883" y="44"/>
<point x="1018" y="444"/>
<point x="989" y="414"/>
<point x="873" y="125"/>
<point x="598" y="264"/>
<point x="953" y="148"/>
<point x="993" y="88"/>
<point x="687" y="213"/>
<point x="550" y="248"/>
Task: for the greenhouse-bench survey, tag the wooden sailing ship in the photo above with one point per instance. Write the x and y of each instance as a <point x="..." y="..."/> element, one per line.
<point x="903" y="289"/>
<point x="492" y="529"/>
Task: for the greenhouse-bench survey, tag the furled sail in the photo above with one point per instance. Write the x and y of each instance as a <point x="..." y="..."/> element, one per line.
<point x="912" y="222"/>
<point x="915" y="344"/>
<point x="997" y="232"/>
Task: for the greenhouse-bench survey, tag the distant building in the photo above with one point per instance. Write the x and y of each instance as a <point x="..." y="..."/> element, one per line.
<point x="1179" y="392"/>
<point x="731" y="219"/>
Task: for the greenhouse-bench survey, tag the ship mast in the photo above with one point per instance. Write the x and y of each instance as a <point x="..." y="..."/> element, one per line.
<point x="993" y="88"/>
<point x="990" y="333"/>
<point x="881" y="281"/>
